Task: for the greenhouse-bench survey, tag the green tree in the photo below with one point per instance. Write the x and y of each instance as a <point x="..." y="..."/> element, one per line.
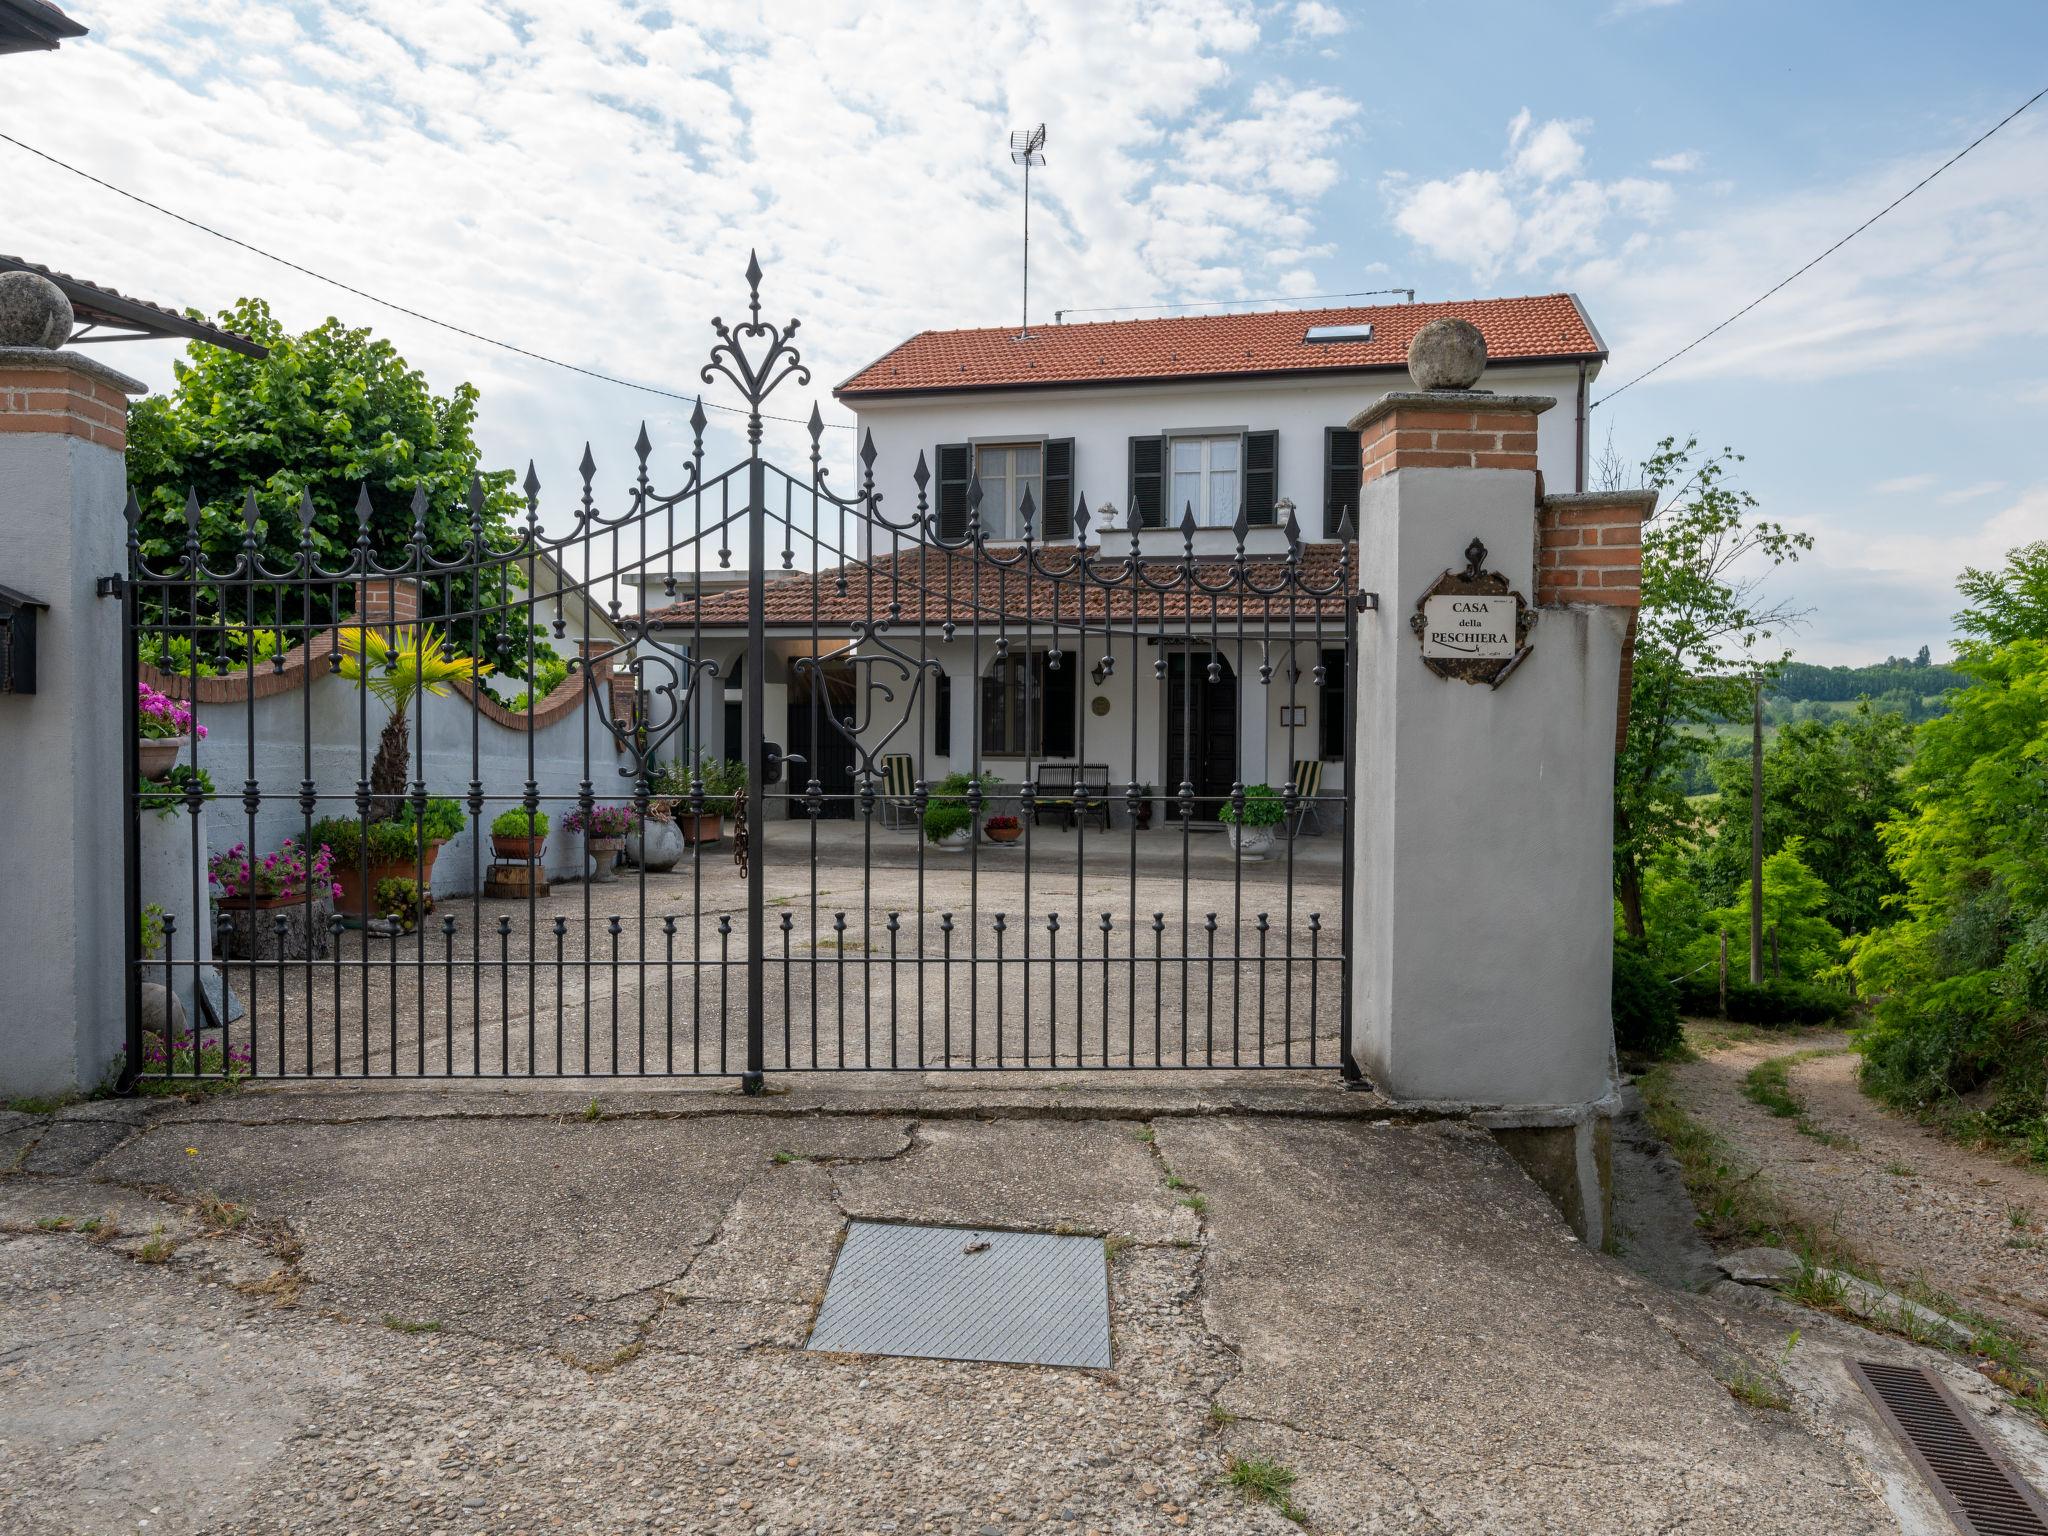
<point x="1795" y="904"/>
<point x="332" y="414"/>
<point x="1961" y="981"/>
<point x="1831" y="783"/>
<point x="1703" y="635"/>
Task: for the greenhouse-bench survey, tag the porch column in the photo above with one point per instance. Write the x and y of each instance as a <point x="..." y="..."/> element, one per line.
<point x="1483" y="906"/>
<point x="64" y="747"/>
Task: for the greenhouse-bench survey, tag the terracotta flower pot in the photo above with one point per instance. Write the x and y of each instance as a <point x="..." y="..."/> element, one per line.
<point x="1004" y="834"/>
<point x="358" y="898"/>
<point x="517" y="850"/>
<point x="159" y="754"/>
<point x="707" y="828"/>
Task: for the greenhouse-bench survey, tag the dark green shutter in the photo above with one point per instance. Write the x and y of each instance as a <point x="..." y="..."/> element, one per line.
<point x="1057" y="699"/>
<point x="1058" y="522"/>
<point x="954" y="462"/>
<point x="1261" y="476"/>
<point x="1340" y="479"/>
<point x="1148" y="493"/>
<point x="942" y="715"/>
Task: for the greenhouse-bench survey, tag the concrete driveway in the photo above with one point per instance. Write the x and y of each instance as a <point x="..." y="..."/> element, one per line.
<point x="505" y="1311"/>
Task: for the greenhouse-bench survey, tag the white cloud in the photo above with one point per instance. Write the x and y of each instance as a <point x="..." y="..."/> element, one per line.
<point x="1904" y="485"/>
<point x="586" y="177"/>
<point x="1533" y="213"/>
<point x="1677" y="165"/>
<point x="1977" y="492"/>
<point x="1312" y="18"/>
<point x="1631" y="7"/>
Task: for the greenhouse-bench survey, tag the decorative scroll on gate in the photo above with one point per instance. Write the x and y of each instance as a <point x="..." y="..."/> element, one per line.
<point x="1001" y="786"/>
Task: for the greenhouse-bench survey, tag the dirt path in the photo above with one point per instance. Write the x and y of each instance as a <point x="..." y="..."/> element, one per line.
<point x="1899" y="1195"/>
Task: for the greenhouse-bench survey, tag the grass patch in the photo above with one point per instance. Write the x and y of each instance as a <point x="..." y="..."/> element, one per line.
<point x="1220" y="1417"/>
<point x="1175" y="1181"/>
<point x="1266" y="1482"/>
<point x="593" y="1110"/>
<point x="1196" y="1203"/>
<point x="784" y="1159"/>
<point x="1115" y="1244"/>
<point x="221" y="1215"/>
<point x="1769" y="1084"/>
<point x="1753" y="1389"/>
<point x="406" y="1325"/>
<point x="157" y="1248"/>
<point x="1146" y="1134"/>
<point x="1899" y="1170"/>
<point x="44" y="1104"/>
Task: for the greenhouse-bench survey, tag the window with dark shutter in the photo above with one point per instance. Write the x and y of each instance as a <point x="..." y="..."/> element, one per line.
<point x="1340" y="478"/>
<point x="1058" y="522"/>
<point x="1148" y="464"/>
<point x="1261" y="476"/>
<point x="942" y="716"/>
<point x="954" y="459"/>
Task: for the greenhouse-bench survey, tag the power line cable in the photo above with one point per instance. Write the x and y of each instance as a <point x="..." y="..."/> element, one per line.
<point x="1278" y="298"/>
<point x="446" y="325"/>
<point x="1824" y="255"/>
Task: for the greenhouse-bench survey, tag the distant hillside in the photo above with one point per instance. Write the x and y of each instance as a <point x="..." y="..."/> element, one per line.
<point x="1910" y="686"/>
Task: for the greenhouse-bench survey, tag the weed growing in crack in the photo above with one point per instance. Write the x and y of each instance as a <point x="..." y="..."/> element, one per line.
<point x="784" y="1159"/>
<point x="1115" y="1244"/>
<point x="1146" y="1134"/>
<point x="593" y="1110"/>
<point x="406" y="1325"/>
<point x="54" y="1224"/>
<point x="1175" y="1181"/>
<point x="157" y="1248"/>
<point x="1199" y="1204"/>
<point x="221" y="1215"/>
<point x="1220" y="1417"/>
<point x="1266" y="1482"/>
<point x="2019" y="1216"/>
<point x="1753" y="1389"/>
<point x="1898" y="1170"/>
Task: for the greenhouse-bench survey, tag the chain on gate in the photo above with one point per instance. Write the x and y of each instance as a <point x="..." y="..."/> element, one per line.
<point x="739" y="829"/>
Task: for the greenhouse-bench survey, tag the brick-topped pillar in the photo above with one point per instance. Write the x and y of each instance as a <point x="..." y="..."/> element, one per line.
<point x="63" y="428"/>
<point x="1481" y="936"/>
<point x="388" y="600"/>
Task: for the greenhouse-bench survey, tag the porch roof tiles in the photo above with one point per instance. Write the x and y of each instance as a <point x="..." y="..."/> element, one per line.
<point x="932" y="586"/>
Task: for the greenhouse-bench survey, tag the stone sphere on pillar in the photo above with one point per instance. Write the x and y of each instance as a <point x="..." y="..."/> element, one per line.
<point x="1447" y="353"/>
<point x="33" y="312"/>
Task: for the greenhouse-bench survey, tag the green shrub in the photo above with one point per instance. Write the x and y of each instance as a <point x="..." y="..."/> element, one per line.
<point x="1645" y="1006"/>
<point x="386" y="841"/>
<point x="942" y="820"/>
<point x="1263" y="807"/>
<point x="400" y="900"/>
<point x="519" y="822"/>
<point x="442" y="820"/>
<point x="947" y="812"/>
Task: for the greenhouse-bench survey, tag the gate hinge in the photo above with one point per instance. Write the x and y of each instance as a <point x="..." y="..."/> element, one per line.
<point x="1368" y="602"/>
<point x="111" y="586"/>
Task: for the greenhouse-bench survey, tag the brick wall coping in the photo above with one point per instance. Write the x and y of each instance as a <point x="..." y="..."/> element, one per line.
<point x="1466" y="400"/>
<point x="269" y="679"/>
<point x="42" y="358"/>
<point x="1644" y="501"/>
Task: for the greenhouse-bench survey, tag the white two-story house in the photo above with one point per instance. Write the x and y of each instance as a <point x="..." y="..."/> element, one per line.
<point x="1150" y="424"/>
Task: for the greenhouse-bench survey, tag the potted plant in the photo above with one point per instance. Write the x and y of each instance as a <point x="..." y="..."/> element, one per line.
<point x="400" y="903"/>
<point x="948" y="816"/>
<point x="518" y="835"/>
<point x="603" y="829"/>
<point x="166" y="728"/>
<point x="1003" y="829"/>
<point x="252" y="895"/>
<point x="1141" y="808"/>
<point x="398" y="670"/>
<point x="367" y="853"/>
<point x="722" y="779"/>
<point x="1251" y="831"/>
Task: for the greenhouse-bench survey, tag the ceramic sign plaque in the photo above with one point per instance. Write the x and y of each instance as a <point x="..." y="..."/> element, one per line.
<point x="1472" y="625"/>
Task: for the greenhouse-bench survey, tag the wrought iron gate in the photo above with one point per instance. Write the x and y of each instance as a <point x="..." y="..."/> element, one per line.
<point x="999" y="886"/>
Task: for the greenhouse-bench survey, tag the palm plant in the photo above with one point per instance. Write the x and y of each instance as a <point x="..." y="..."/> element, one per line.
<point x="398" y="670"/>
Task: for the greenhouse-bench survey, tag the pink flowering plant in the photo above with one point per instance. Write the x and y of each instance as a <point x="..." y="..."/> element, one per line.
<point x="602" y="822"/>
<point x="158" y="715"/>
<point x="287" y="872"/>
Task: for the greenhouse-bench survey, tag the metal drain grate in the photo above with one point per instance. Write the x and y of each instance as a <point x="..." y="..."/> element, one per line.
<point x="954" y="1293"/>
<point x="1971" y="1477"/>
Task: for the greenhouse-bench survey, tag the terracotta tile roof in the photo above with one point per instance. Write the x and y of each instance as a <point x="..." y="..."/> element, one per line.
<point x="1116" y="351"/>
<point x="96" y="304"/>
<point x="934" y="586"/>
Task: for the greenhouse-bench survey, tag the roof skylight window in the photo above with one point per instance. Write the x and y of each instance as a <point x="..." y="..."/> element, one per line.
<point x="1319" y="333"/>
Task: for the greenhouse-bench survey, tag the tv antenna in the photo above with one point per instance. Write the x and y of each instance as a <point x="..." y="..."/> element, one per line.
<point x="1027" y="148"/>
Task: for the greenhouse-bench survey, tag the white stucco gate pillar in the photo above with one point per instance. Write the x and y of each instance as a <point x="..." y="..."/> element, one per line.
<point x="1488" y="681"/>
<point x="64" y="746"/>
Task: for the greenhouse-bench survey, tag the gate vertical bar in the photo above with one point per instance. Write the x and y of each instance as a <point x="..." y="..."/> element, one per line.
<point x="131" y="853"/>
<point x="755" y="1078"/>
<point x="1346" y="1062"/>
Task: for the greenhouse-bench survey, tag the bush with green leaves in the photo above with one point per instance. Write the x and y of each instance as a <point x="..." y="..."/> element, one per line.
<point x="388" y="842"/>
<point x="1795" y="904"/>
<point x="519" y="822"/>
<point x="1771" y="1005"/>
<point x="948" y="809"/>
<point x="1645" y="1005"/>
<point x="1263" y="807"/>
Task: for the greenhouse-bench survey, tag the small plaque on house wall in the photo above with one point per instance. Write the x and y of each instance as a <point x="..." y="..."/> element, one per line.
<point x="1472" y="625"/>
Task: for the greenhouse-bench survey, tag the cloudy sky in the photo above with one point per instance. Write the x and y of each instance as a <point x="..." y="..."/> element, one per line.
<point x="585" y="180"/>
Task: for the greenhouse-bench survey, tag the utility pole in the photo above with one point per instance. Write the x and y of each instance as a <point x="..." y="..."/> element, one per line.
<point x="1756" y="833"/>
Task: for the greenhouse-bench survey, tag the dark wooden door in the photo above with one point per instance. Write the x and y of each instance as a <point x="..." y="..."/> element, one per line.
<point x="1201" y="732"/>
<point x="813" y="737"/>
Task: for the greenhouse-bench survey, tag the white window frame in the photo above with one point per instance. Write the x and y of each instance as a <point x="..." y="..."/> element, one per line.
<point x="1206" y="513"/>
<point x="999" y="520"/>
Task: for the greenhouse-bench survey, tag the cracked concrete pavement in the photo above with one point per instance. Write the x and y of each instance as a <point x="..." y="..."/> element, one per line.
<point x="479" y="1311"/>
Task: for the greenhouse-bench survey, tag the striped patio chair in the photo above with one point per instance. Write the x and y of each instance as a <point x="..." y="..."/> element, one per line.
<point x="899" y="790"/>
<point x="1308" y="783"/>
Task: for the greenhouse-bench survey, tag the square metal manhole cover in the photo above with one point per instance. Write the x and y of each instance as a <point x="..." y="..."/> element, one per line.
<point x="954" y="1293"/>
